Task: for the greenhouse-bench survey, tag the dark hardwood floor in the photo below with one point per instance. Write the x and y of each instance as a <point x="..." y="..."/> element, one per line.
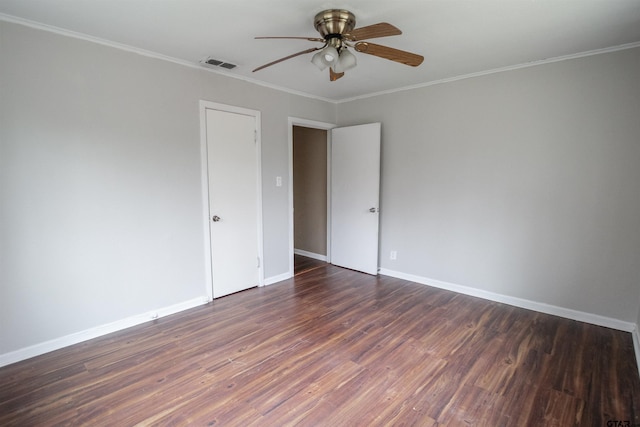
<point x="303" y="264"/>
<point x="332" y="347"/>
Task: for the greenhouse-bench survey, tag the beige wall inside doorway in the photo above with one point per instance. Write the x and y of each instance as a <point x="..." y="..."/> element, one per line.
<point x="310" y="189"/>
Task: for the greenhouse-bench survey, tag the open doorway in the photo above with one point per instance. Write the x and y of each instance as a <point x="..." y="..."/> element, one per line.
<point x="309" y="161"/>
<point x="352" y="164"/>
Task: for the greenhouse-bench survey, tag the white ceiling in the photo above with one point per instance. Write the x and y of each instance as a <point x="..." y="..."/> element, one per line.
<point x="456" y="37"/>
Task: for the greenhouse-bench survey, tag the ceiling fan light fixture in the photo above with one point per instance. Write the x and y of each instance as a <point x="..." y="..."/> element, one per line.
<point x="330" y="55"/>
<point x="346" y="61"/>
<point x="318" y="61"/>
<point x="327" y="57"/>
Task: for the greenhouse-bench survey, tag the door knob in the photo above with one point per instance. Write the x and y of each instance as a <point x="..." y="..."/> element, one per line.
<point x="372" y="210"/>
<point x="215" y="218"/>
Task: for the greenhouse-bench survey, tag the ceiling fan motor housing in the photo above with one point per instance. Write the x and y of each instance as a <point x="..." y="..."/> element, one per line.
<point x="333" y="23"/>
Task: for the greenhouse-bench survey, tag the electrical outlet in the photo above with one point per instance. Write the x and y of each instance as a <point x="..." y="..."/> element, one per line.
<point x="393" y="255"/>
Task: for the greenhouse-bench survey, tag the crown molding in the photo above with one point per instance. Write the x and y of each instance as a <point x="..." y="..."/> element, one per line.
<point x="151" y="54"/>
<point x="197" y="65"/>
<point x="498" y="70"/>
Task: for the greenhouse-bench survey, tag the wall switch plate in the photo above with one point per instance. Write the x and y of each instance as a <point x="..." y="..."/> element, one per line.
<point x="278" y="181"/>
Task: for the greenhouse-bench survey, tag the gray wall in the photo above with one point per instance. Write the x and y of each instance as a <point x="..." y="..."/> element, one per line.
<point x="100" y="197"/>
<point x="523" y="183"/>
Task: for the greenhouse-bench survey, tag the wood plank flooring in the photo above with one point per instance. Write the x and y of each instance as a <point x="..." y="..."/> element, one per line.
<point x="332" y="347"/>
<point x="303" y="264"/>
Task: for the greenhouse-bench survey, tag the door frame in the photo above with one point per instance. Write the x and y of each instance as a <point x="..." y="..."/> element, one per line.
<point x="204" y="176"/>
<point x="296" y="121"/>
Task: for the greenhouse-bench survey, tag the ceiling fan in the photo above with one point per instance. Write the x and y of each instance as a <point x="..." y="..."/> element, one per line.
<point x="338" y="33"/>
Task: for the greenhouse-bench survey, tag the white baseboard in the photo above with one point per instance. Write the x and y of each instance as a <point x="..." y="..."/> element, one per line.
<point x="567" y="313"/>
<point x="289" y="274"/>
<point x="58" y="343"/>
<point x="310" y="255"/>
<point x="98" y="331"/>
<point x="279" y="278"/>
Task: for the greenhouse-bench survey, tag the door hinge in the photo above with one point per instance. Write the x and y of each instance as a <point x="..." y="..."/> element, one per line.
<point x="258" y="262"/>
<point x="255" y="136"/>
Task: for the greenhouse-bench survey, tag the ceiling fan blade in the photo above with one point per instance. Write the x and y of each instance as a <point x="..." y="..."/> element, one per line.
<point x="390" y="53"/>
<point x="311" y="39"/>
<point x="372" y="31"/>
<point x="287" y="57"/>
<point x="333" y="76"/>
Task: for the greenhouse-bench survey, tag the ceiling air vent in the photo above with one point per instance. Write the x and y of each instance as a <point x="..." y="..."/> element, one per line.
<point x="216" y="63"/>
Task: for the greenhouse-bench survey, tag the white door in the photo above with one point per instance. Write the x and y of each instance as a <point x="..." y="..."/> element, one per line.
<point x="355" y="190"/>
<point x="232" y="164"/>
